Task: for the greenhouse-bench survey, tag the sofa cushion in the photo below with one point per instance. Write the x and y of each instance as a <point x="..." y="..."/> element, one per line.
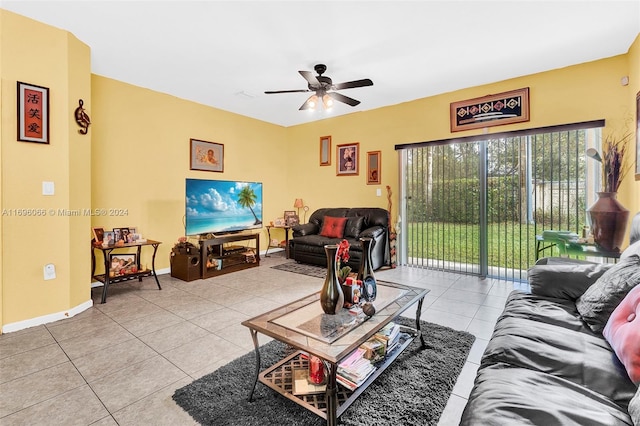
<point x="353" y="226"/>
<point x="633" y="249"/>
<point x="508" y="395"/>
<point x="583" y="358"/>
<point x="598" y="301"/>
<point x="333" y="227"/>
<point x="634" y="408"/>
<point x="623" y="333"/>
<point x="564" y="280"/>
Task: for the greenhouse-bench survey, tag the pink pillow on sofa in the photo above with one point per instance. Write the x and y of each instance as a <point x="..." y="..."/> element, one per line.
<point x="623" y="333"/>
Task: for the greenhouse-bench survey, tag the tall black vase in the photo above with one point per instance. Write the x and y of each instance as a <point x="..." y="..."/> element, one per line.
<point x="365" y="273"/>
<point x="331" y="296"/>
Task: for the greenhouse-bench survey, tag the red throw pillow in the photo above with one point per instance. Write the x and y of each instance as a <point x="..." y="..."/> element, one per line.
<point x="623" y="333"/>
<point x="333" y="227"/>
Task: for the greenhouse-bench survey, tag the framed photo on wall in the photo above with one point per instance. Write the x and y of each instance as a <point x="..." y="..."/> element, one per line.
<point x="347" y="159"/>
<point x="325" y="150"/>
<point x="373" y="167"/>
<point x="208" y="156"/>
<point x="33" y="113"/>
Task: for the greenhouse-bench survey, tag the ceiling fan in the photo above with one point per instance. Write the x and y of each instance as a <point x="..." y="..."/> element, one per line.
<point x="322" y="87"/>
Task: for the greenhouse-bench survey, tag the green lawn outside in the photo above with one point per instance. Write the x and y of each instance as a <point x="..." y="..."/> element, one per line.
<point x="511" y="245"/>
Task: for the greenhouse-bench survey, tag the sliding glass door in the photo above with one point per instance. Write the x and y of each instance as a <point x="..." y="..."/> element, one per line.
<point x="475" y="206"/>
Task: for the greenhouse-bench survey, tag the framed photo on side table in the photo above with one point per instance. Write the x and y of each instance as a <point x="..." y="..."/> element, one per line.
<point x="33" y="113"/>
<point x="347" y="159"/>
<point x="98" y="234"/>
<point x="208" y="156"/>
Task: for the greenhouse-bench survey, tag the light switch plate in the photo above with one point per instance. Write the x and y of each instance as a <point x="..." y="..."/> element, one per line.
<point x="379" y="192"/>
<point x="48" y="188"/>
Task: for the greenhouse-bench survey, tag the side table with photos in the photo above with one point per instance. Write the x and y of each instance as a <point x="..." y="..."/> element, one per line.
<point x="274" y="243"/>
<point x="120" y="267"/>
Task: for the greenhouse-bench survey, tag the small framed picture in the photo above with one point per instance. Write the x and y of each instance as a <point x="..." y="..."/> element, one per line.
<point x="287" y="215"/>
<point x="123" y="264"/>
<point x="293" y="220"/>
<point x="279" y="221"/>
<point x="208" y="156"/>
<point x="325" y="150"/>
<point x="98" y="234"/>
<point x="33" y="113"/>
<point x="125" y="234"/>
<point x="373" y="167"/>
<point x="109" y="239"/>
<point x="347" y="159"/>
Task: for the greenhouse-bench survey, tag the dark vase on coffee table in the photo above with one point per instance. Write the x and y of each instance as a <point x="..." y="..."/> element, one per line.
<point x="365" y="274"/>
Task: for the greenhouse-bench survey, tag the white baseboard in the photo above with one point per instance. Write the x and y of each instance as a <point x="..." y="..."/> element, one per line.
<point x="45" y="319"/>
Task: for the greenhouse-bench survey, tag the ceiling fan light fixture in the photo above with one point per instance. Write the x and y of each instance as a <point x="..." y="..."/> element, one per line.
<point x="327" y="102"/>
<point x="312" y="102"/>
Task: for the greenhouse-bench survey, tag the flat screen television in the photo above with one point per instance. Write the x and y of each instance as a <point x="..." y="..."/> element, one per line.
<point x="222" y="206"/>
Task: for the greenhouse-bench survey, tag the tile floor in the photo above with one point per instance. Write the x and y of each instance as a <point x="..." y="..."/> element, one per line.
<point x="119" y="363"/>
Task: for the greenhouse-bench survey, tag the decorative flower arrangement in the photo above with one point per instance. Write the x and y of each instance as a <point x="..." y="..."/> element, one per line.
<point x="343" y="257"/>
<point x="612" y="164"/>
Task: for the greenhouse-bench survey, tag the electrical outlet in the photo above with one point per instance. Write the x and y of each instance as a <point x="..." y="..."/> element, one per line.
<point x="49" y="271"/>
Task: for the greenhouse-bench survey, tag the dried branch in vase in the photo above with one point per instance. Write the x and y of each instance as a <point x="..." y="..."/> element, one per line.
<point x="613" y="168"/>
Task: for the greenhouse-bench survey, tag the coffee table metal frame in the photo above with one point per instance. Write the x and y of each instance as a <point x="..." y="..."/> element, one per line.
<point x="336" y="399"/>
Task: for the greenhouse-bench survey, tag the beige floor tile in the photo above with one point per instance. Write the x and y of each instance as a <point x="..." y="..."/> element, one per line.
<point x="37" y="387"/>
<point x="452" y="413"/>
<point x="157" y="409"/>
<point x="173" y="336"/>
<point x="151" y="323"/>
<point x="103" y="337"/>
<point x="113" y="358"/>
<point x="25" y="363"/>
<point x="194" y="309"/>
<point x="135" y="382"/>
<point x="76" y="407"/>
<point x="220" y="319"/>
<point x="198" y="354"/>
<point x="24" y="340"/>
<point x="63" y="330"/>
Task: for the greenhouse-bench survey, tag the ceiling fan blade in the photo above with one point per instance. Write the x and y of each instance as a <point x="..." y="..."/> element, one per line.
<point x="308" y="75"/>
<point x="286" y="91"/>
<point x="342" y="98"/>
<point x="306" y="104"/>
<point x="353" y="84"/>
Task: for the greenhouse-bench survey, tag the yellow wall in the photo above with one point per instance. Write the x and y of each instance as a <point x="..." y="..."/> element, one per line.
<point x="136" y="156"/>
<point x="630" y="188"/>
<point x="44" y="56"/>
<point x="583" y="92"/>
<point x="140" y="159"/>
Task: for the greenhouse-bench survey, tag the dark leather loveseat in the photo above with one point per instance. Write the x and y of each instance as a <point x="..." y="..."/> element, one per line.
<point x="548" y="361"/>
<point x="307" y="243"/>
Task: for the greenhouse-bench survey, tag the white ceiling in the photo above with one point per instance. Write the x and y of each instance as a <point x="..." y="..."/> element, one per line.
<point x="227" y="53"/>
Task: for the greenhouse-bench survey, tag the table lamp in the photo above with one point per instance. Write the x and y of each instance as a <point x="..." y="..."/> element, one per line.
<point x="299" y="204"/>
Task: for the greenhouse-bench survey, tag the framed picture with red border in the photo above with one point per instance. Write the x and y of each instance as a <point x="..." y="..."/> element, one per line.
<point x="33" y="113"/>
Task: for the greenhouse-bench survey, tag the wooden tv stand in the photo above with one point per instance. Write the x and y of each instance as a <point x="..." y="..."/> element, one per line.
<point x="216" y="259"/>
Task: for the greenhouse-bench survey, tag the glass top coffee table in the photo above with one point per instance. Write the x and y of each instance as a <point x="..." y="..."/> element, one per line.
<point x="309" y="331"/>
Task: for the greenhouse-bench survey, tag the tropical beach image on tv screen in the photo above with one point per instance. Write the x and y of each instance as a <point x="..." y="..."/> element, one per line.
<point x="221" y="206"/>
